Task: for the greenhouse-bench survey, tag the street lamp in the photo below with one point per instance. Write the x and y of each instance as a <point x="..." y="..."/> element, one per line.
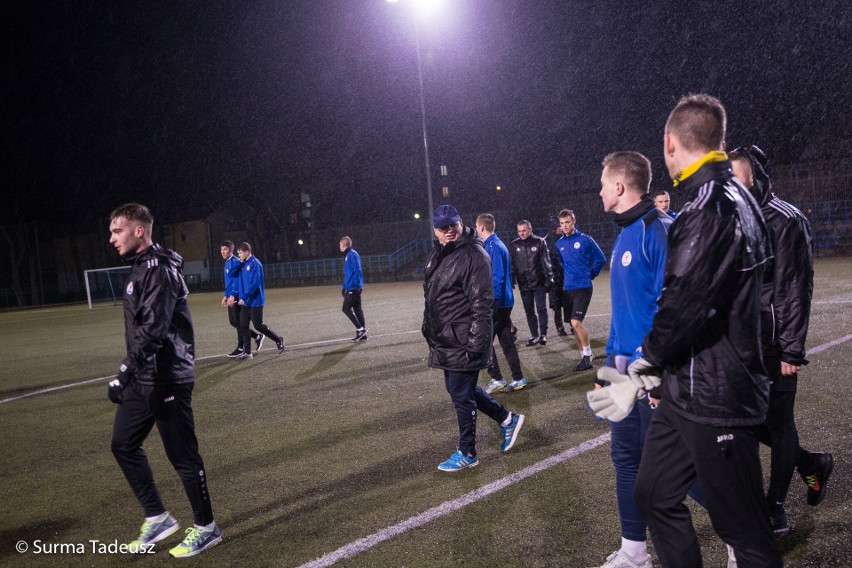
<point x="422" y="115"/>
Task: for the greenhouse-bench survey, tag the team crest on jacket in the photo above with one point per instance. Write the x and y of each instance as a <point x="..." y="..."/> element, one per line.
<point x="129" y="288"/>
<point x="576" y="245"/>
<point x="533" y="249"/>
<point x="626" y="258"/>
<point x="248" y="267"/>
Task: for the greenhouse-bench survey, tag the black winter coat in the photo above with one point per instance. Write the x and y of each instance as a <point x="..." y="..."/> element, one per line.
<point x="555" y="260"/>
<point x="706" y="332"/>
<point x="459" y="296"/>
<point x="789" y="278"/>
<point x="157" y="323"/>
<point x="531" y="263"/>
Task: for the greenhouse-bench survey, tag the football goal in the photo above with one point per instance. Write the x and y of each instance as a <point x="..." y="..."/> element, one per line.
<point x="105" y="284"/>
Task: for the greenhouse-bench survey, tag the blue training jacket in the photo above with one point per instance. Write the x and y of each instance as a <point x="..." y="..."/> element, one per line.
<point x="232" y="276"/>
<point x="251" y="282"/>
<point x="582" y="259"/>
<point x="501" y="272"/>
<point x="636" y="275"/>
<point x="352" y="276"/>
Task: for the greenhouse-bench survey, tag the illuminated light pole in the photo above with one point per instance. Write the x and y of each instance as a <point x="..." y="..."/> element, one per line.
<point x="423" y="118"/>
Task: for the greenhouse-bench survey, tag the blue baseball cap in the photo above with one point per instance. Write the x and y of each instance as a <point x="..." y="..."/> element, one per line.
<point x="445" y="215"/>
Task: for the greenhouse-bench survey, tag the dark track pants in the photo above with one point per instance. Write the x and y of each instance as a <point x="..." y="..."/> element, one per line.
<point x="535" y="307"/>
<point x="234" y="320"/>
<point x="352" y="307"/>
<point x="726" y="463"/>
<point x="503" y="332"/>
<point x="170" y="408"/>
<point x="560" y="314"/>
<point x="467" y="398"/>
<point x="779" y="433"/>
<point x="254" y="315"/>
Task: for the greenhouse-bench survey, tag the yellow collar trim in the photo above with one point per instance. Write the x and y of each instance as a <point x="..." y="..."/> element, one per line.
<point x="714" y="156"/>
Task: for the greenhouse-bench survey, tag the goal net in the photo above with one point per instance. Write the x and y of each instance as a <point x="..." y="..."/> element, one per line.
<point x="105" y="284"/>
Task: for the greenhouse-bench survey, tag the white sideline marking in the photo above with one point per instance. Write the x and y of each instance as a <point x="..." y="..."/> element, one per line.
<point x="447" y="507"/>
<point x="814" y="351"/>
<point x="829" y="345"/>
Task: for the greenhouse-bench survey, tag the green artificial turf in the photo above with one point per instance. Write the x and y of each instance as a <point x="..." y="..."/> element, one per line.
<point x="332" y="441"/>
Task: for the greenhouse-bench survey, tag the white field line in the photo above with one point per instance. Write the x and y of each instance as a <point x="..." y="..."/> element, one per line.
<point x="447" y="507"/>
<point x="813" y="351"/>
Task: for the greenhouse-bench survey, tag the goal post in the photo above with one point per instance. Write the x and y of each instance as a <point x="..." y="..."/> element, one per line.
<point x="105" y="284"/>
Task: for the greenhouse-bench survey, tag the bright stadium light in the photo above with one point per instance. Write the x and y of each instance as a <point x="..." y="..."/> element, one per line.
<point x="424" y="7"/>
<point x="417" y="215"/>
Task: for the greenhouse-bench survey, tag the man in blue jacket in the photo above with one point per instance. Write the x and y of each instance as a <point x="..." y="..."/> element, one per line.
<point x="504" y="299"/>
<point x="252" y="298"/>
<point x="636" y="277"/>
<point x="353" y="283"/>
<point x="582" y="260"/>
<point x="232" y="282"/>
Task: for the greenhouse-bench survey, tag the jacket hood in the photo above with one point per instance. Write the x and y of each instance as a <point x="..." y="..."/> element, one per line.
<point x="761" y="190"/>
<point x="165" y="256"/>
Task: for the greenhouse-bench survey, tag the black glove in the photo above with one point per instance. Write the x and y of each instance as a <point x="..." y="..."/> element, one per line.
<point x="115" y="392"/>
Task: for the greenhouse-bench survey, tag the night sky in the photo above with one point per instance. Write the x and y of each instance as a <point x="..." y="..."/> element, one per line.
<point x="193" y="106"/>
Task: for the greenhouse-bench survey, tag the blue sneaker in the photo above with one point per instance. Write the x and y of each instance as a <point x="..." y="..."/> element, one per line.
<point x="495" y="385"/>
<point x="510" y="432"/>
<point x="458" y="461"/>
<point x="516" y="385"/>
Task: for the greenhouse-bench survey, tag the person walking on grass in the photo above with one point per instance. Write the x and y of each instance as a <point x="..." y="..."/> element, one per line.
<point x="582" y="260"/>
<point x="232" y="282"/>
<point x="532" y="271"/>
<point x="457" y="325"/>
<point x="504" y="299"/>
<point x="252" y="298"/>
<point x="154" y="384"/>
<point x="353" y="283"/>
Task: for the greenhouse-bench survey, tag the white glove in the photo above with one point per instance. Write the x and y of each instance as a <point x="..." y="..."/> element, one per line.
<point x="644" y="374"/>
<point x="615" y="401"/>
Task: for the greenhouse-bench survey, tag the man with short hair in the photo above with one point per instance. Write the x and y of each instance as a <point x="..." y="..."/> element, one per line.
<point x="582" y="260"/>
<point x="663" y="202"/>
<point x="786" y="305"/>
<point x="532" y="271"/>
<point x="232" y="271"/>
<point x="457" y="325"/>
<point x="353" y="283"/>
<point x="154" y="383"/>
<point x="504" y="299"/>
<point x="252" y="297"/>
<point x="703" y="351"/>
<point x="636" y="278"/>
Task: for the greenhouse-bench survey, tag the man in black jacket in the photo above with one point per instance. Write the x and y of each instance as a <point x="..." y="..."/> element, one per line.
<point x="786" y="305"/>
<point x="457" y="325"/>
<point x="532" y="271"/>
<point x="154" y="383"/>
<point x="705" y="344"/>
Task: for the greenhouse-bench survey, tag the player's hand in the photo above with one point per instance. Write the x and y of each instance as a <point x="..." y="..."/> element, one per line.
<point x="788" y="369"/>
<point x="644" y="374"/>
<point x="115" y="391"/>
<point x="242" y="303"/>
<point x="224" y="301"/>
<point x="613" y="402"/>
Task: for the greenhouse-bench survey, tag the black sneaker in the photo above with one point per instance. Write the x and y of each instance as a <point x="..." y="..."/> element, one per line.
<point x="585" y="364"/>
<point x="561" y="332"/>
<point x="280" y="346"/>
<point x="235" y="353"/>
<point x="778" y="519"/>
<point x="542" y="340"/>
<point x="363" y="336"/>
<point x="360" y="335"/>
<point x="258" y="341"/>
<point x="532" y="341"/>
<point x="243" y="356"/>
<point x="817" y="480"/>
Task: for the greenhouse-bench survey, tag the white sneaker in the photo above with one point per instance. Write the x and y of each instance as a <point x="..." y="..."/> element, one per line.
<point x="495" y="385"/>
<point x="620" y="559"/>
<point x="732" y="560"/>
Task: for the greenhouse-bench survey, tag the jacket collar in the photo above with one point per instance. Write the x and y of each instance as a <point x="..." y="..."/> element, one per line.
<point x="637" y="211"/>
<point x="710" y="157"/>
